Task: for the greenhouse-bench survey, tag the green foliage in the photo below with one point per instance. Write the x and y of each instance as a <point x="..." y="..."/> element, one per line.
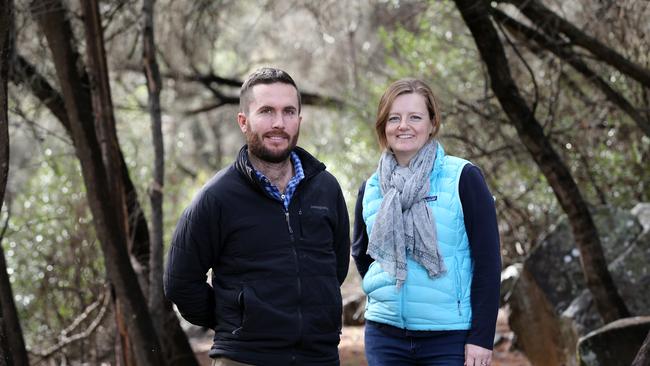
<point x="52" y="255"/>
<point x="346" y="146"/>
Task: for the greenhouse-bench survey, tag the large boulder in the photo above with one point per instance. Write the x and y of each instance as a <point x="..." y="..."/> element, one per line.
<point x="615" y="344"/>
<point x="555" y="262"/>
<point x="550" y="297"/>
<point x="533" y="320"/>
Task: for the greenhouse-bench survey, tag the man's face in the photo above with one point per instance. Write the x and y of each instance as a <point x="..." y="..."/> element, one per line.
<point x="272" y="123"/>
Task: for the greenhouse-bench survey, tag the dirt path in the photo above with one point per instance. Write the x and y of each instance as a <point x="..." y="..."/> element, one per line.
<point x="351" y="348"/>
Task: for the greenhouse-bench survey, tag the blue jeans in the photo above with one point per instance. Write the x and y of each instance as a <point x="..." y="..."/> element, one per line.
<point x="389" y="346"/>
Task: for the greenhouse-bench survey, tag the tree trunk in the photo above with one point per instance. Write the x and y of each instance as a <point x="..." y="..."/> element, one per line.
<point x="608" y="302"/>
<point x="643" y="356"/>
<point x="108" y="214"/>
<point x="6" y="50"/>
<point x="551" y="23"/>
<point x="123" y="347"/>
<point x="102" y="106"/>
<point x="154" y="87"/>
<point x="175" y="343"/>
<point x="12" y="344"/>
<point x="554" y="44"/>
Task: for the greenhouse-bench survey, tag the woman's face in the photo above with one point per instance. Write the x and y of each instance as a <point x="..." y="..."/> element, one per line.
<point x="408" y="127"/>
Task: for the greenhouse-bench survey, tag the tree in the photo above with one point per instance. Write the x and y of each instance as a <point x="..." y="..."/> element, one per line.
<point x="165" y="320"/>
<point x="12" y="344"/>
<point x="86" y="125"/>
<point x="154" y="86"/>
<point x="608" y="302"/>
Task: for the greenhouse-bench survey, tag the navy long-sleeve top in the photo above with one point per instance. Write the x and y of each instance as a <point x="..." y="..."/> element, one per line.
<point x="482" y="231"/>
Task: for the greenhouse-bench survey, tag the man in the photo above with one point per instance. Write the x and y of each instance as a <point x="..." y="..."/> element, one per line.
<point x="273" y="227"/>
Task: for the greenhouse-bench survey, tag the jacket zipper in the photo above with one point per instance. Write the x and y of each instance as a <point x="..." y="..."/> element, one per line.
<point x="286" y="216"/>
<point x="299" y="283"/>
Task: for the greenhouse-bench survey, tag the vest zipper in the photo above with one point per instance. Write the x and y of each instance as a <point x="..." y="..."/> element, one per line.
<point x="401" y="303"/>
<point x="459" y="290"/>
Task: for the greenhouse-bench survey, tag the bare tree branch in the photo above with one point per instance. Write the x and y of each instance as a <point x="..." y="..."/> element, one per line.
<point x="213" y="82"/>
<point x="25" y="73"/>
<point x="551" y="23"/>
<point x="564" y="53"/>
<point x="65" y="340"/>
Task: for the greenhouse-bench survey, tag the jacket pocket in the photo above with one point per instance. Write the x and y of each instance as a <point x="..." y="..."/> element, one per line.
<point x="228" y="309"/>
<point x="259" y="316"/>
<point x="317" y="224"/>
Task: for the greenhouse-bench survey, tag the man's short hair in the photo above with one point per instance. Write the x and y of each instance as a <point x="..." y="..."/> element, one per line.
<point x="264" y="75"/>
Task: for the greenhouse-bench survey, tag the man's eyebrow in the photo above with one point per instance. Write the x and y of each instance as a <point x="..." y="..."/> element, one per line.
<point x="263" y="107"/>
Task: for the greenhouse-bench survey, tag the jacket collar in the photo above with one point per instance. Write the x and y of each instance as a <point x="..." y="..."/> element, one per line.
<point x="310" y="165"/>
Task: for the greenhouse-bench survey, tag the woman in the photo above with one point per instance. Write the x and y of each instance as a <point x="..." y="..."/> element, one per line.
<point x="425" y="242"/>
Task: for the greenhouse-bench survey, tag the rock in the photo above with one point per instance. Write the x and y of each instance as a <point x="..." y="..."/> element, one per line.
<point x="354" y="307"/>
<point x="615" y="344"/>
<point x="554" y="265"/>
<point x="534" y="323"/>
<point x="550" y="298"/>
<point x="580" y="317"/>
<point x="642" y="212"/>
<point x="558" y="253"/>
<point x="509" y="277"/>
<point x="631" y="274"/>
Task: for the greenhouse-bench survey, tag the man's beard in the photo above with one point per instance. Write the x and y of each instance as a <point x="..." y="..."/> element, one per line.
<point x="257" y="148"/>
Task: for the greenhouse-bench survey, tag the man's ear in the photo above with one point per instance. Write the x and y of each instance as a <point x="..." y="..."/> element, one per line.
<point x="241" y="121"/>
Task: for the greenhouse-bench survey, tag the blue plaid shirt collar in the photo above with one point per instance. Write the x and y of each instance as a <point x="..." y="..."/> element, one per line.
<point x="274" y="192"/>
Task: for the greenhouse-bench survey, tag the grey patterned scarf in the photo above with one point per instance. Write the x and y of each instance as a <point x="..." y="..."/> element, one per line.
<point x="404" y="223"/>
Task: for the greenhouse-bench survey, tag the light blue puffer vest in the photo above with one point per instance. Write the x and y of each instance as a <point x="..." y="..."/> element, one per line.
<point x="424" y="303"/>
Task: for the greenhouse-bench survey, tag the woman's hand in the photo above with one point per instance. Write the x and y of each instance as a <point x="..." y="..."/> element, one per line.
<point x="477" y="356"/>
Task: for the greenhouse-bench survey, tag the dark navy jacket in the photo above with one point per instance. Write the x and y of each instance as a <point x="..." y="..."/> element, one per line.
<point x="275" y="297"/>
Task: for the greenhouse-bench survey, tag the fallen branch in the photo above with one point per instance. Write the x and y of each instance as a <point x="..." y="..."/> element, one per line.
<point x="65" y="340"/>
